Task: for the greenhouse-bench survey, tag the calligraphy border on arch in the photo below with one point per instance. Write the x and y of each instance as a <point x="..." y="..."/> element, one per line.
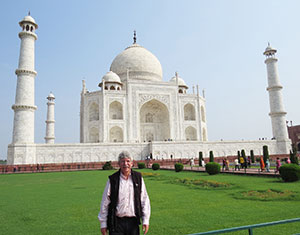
<point x="143" y="98"/>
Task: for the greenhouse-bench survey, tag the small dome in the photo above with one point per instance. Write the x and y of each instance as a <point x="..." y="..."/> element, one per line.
<point x="51" y="96"/>
<point x="269" y="50"/>
<point x="138" y="63"/>
<point x="181" y="82"/>
<point x="111" y="77"/>
<point x="28" y="19"/>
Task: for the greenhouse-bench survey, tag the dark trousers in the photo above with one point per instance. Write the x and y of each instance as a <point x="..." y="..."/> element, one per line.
<point x="126" y="226"/>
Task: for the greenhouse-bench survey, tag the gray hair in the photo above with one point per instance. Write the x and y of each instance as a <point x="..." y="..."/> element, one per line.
<point x="124" y="154"/>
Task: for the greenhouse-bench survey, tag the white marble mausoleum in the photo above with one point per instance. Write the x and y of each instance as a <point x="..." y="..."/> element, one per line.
<point x="134" y="109"/>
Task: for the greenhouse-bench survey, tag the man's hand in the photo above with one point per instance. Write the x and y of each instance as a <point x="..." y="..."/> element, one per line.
<point x="104" y="231"/>
<point x="145" y="228"/>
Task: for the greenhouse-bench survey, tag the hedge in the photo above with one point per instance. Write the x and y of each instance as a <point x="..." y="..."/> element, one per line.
<point x="155" y="166"/>
<point x="178" y="167"/>
<point x="290" y="172"/>
<point x="212" y="168"/>
<point x="141" y="165"/>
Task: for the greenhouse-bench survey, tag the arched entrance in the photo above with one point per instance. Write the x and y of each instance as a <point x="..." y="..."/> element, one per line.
<point x="154" y="121"/>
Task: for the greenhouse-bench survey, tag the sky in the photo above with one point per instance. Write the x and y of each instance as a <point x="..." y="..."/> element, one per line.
<point x="215" y="44"/>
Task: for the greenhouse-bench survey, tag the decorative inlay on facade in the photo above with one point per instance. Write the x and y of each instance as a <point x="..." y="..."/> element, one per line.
<point x="274" y="88"/>
<point x="24" y="107"/>
<point x="143" y="98"/>
<point x="25" y="71"/>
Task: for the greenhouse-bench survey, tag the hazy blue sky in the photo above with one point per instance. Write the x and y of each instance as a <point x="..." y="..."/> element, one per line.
<point x="215" y="44"/>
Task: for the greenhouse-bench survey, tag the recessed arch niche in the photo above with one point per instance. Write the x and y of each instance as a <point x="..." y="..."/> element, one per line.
<point x="190" y="133"/>
<point x="115" y="110"/>
<point x="189" y="112"/>
<point x="116" y="134"/>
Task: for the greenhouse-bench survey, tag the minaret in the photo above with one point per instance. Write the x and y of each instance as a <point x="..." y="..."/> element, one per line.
<point x="49" y="139"/>
<point x="83" y="92"/>
<point x="274" y="88"/>
<point x="24" y="108"/>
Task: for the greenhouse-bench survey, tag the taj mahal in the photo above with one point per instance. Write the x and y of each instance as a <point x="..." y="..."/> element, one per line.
<point x="134" y="109"/>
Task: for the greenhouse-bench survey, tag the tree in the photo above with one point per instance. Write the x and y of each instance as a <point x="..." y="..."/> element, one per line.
<point x="252" y="156"/>
<point x="265" y="153"/>
<point x="243" y="154"/>
<point x="211" y="156"/>
<point x="293" y="155"/>
<point x="200" y="158"/>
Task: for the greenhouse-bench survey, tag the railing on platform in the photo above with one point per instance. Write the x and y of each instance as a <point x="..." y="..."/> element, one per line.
<point x="248" y="227"/>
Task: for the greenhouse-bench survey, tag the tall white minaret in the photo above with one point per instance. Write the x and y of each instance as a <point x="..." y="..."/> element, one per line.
<point x="49" y="139"/>
<point x="24" y="108"/>
<point x="274" y="88"/>
<point x="83" y="93"/>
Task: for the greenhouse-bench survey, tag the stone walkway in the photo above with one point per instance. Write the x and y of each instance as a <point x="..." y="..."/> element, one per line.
<point x="248" y="171"/>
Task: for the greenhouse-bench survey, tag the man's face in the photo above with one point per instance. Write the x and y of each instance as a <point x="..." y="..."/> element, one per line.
<point x="125" y="165"/>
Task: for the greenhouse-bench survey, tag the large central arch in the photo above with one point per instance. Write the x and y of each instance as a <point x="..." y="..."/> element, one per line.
<point x="154" y="121"/>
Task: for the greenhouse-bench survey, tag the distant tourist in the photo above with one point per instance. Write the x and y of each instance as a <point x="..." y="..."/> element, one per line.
<point x="236" y="164"/>
<point x="203" y="163"/>
<point x="223" y="164"/>
<point x="278" y="165"/>
<point x="227" y="164"/>
<point x="242" y="162"/>
<point x="262" y="164"/>
<point x="268" y="165"/>
<point x="192" y="162"/>
<point x="249" y="161"/>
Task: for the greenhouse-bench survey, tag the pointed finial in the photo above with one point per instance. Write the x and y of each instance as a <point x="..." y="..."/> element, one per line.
<point x="83" y="86"/>
<point x="29" y="13"/>
<point x="134" y="37"/>
<point x="176" y="74"/>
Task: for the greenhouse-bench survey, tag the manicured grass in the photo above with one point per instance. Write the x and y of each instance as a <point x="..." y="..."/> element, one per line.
<point x="181" y="203"/>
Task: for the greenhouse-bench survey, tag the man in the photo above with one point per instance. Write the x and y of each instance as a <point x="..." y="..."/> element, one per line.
<point x="125" y="201"/>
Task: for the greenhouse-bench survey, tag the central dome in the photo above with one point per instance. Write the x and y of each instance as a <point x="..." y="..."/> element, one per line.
<point x="136" y="62"/>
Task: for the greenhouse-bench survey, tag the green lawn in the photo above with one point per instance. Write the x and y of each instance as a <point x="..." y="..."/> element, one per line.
<point x="68" y="202"/>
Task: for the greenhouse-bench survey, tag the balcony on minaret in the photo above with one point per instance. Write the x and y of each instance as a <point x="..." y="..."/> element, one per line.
<point x="28" y="24"/>
<point x="270" y="52"/>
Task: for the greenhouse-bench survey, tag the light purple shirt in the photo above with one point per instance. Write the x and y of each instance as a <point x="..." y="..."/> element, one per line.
<point x="125" y="205"/>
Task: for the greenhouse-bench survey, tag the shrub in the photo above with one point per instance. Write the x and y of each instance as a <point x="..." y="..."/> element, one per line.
<point x="200" y="158"/>
<point x="141" y="165"/>
<point x="265" y="153"/>
<point x="252" y="156"/>
<point x="211" y="156"/>
<point x="178" y="167"/>
<point x="293" y="155"/>
<point x="290" y="172"/>
<point x="212" y="168"/>
<point x="155" y="166"/>
<point x="107" y="166"/>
